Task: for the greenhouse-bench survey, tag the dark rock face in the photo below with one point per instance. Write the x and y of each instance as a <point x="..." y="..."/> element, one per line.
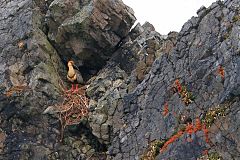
<point x="204" y="43"/>
<point x="149" y="89"/>
<point x="29" y="67"/>
<point x="31" y="72"/>
<point x="121" y="76"/>
<point x="88" y="31"/>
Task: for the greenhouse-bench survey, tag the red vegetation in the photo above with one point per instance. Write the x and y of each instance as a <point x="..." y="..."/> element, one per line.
<point x="221" y="72"/>
<point x="165" y="109"/>
<point x="171" y="140"/>
<point x="205" y="152"/>
<point x="198" y="125"/>
<point x="178" y="86"/>
<point x="205" y="131"/>
<point x="189" y="129"/>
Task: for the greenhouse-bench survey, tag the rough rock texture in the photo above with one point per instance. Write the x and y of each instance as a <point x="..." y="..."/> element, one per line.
<point x="134" y="100"/>
<point x="204" y="43"/>
<point x="31" y="71"/>
<point x="88" y="31"/>
<point x="29" y="67"/>
<point x="121" y="76"/>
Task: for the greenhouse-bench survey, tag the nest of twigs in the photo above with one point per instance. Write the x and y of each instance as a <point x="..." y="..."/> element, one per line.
<point x="72" y="108"/>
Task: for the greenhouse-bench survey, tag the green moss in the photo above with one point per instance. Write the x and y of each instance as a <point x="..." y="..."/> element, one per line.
<point x="158" y="145"/>
<point x="214" y="156"/>
<point x="236" y="18"/>
<point x="226" y="36"/>
<point x="211" y="156"/>
<point x="153" y="150"/>
<point x="187" y="97"/>
<point x="213" y="114"/>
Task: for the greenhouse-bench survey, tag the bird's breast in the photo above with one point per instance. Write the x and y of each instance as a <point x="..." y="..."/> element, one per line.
<point x="71" y="74"/>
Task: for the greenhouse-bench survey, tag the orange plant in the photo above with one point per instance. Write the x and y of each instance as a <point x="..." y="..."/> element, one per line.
<point x="221" y="72"/>
<point x="186" y="96"/>
<point x="171" y="140"/>
<point x="165" y="109"/>
<point x="15" y="90"/>
<point x="178" y="86"/>
<point x="189" y="129"/>
<point x="198" y="125"/>
<point x="205" y="131"/>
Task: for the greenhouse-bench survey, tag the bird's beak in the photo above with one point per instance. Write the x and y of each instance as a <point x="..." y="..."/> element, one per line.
<point x="75" y="66"/>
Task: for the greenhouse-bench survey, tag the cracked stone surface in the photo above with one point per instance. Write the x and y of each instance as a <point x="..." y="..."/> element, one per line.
<point x="32" y="68"/>
<point x="88" y="31"/>
<point x="131" y="76"/>
<point x="204" y="43"/>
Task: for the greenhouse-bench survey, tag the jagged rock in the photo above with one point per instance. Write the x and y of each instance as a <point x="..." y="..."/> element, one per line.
<point x="203" y="45"/>
<point x="88" y="31"/>
<point x="105" y="90"/>
<point x="32" y="71"/>
<point x="134" y="100"/>
<point x="29" y="64"/>
<point x="112" y="84"/>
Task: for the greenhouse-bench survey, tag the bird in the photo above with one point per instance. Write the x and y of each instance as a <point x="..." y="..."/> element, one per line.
<point x="74" y="75"/>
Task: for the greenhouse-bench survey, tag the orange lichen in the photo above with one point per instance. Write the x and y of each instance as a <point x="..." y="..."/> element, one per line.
<point x="189" y="128"/>
<point x="205" y="131"/>
<point x="165" y="109"/>
<point x="15" y="90"/>
<point x="221" y="72"/>
<point x="198" y="125"/>
<point x="171" y="140"/>
<point x="178" y="86"/>
<point x="205" y="152"/>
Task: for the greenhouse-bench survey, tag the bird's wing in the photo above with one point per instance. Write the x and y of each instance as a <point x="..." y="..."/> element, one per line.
<point x="79" y="77"/>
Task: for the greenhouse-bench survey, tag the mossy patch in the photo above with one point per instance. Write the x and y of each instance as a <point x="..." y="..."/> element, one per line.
<point x="236" y="18"/>
<point x="187" y="97"/>
<point x="214" y="156"/>
<point x="213" y="113"/>
<point x="211" y="156"/>
<point x="153" y="150"/>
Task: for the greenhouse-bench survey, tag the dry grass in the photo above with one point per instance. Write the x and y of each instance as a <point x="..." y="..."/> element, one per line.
<point x="73" y="108"/>
<point x="15" y="90"/>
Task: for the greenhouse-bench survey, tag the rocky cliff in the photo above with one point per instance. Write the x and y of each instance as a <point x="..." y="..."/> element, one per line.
<point x="149" y="96"/>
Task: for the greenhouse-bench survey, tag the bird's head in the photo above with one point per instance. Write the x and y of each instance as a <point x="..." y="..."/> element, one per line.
<point x="70" y="63"/>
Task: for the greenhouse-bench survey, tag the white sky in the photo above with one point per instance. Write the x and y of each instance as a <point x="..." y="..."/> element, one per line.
<point x="166" y="15"/>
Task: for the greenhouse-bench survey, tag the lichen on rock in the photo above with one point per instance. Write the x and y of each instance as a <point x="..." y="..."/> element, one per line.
<point x="136" y="110"/>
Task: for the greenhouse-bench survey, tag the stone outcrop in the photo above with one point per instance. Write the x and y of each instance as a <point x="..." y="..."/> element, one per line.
<point x="121" y="76"/>
<point x="145" y="89"/>
<point x="32" y="70"/>
<point x="88" y="31"/>
<point x="29" y="76"/>
<point x="206" y="46"/>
